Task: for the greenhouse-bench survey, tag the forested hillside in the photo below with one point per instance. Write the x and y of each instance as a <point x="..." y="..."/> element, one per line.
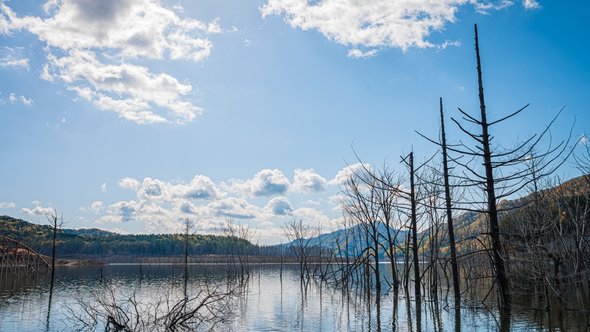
<point x="97" y="242"/>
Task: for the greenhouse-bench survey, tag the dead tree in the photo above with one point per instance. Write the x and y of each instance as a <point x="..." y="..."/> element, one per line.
<point x="299" y="235"/>
<point x="504" y="173"/>
<point x="55" y="223"/>
<point x="388" y="199"/>
<point x="449" y="210"/>
<point x="187" y="225"/>
<point x="409" y="160"/>
<point x="361" y="205"/>
<point x="448" y="205"/>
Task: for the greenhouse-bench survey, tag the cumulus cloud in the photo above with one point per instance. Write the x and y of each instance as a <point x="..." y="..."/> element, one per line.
<point x="97" y="206"/>
<point x="201" y="187"/>
<point x="136" y="28"/>
<point x="133" y="92"/>
<point x="161" y="205"/>
<point x="122" y="211"/>
<point x="91" y="43"/>
<point x="129" y="183"/>
<point x="279" y="206"/>
<point x="7" y="205"/>
<point x="368" y="26"/>
<point x="233" y="207"/>
<point x="348" y="172"/>
<point x="267" y="182"/>
<point x="38" y="210"/>
<point x="531" y="4"/>
<point x="307" y="180"/>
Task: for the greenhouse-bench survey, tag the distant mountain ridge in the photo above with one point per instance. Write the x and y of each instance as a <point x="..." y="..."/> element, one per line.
<point x="467" y="224"/>
<point x="346" y="242"/>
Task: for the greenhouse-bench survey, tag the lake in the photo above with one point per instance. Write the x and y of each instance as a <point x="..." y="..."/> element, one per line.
<point x="272" y="299"/>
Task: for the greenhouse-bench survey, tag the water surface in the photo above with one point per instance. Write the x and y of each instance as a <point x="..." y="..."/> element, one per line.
<point x="273" y="299"/>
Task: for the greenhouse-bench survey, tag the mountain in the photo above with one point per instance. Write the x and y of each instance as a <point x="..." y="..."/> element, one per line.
<point x="468" y="225"/>
<point x="348" y="242"/>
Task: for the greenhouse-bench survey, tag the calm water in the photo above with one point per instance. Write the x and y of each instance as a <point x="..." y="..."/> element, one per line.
<point x="267" y="303"/>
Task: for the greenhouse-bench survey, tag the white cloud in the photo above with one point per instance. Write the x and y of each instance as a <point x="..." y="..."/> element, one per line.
<point x="13" y="98"/>
<point x="201" y="187"/>
<point x="12" y="62"/>
<point x="267" y="182"/>
<point x="531" y="4"/>
<point x="38" y="210"/>
<point x="129" y="183"/>
<point x="233" y="207"/>
<point x="121" y="211"/>
<point x="447" y="44"/>
<point x="279" y="206"/>
<point x="375" y="24"/>
<point x="485" y="6"/>
<point x="152" y="189"/>
<point x="372" y="24"/>
<point x="307" y="180"/>
<point x="348" y="172"/>
<point x="136" y="28"/>
<point x="160" y="205"/>
<point x="7" y="205"/>
<point x="91" y="43"/>
<point x="103" y="186"/>
<point x="97" y="206"/>
<point x="356" y="53"/>
<point x="132" y="91"/>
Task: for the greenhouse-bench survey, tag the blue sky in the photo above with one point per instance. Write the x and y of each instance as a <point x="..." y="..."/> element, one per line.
<point x="130" y="115"/>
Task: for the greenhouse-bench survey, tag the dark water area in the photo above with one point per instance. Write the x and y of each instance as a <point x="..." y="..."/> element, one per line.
<point x="272" y="299"/>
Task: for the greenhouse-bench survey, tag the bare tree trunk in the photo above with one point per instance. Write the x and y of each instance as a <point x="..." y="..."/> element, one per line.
<point x="497" y="254"/>
<point x="452" y="248"/>
<point x="414" y="232"/>
<point x="376" y="252"/>
<point x="187" y="227"/>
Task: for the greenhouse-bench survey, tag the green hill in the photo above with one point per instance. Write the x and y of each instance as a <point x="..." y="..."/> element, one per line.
<point x="100" y="243"/>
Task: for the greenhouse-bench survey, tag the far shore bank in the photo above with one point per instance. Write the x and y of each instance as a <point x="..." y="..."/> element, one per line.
<point x="73" y="260"/>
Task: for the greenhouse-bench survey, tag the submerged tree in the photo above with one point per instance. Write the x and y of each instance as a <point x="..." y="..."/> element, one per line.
<point x="504" y="173"/>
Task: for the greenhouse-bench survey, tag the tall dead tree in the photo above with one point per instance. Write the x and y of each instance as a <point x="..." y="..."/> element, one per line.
<point x="409" y="160"/>
<point x="442" y="143"/>
<point x="187" y="226"/>
<point x="505" y="173"/>
<point x="484" y="139"/>
<point x="449" y="210"/>
<point x="56" y="223"/>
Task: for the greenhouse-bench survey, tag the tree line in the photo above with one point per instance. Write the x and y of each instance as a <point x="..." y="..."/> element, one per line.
<point x="101" y="243"/>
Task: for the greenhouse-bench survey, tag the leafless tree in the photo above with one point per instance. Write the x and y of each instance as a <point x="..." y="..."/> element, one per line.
<point x="114" y="311"/>
<point x="238" y="253"/>
<point x="504" y="173"/>
<point x="299" y="235"/>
